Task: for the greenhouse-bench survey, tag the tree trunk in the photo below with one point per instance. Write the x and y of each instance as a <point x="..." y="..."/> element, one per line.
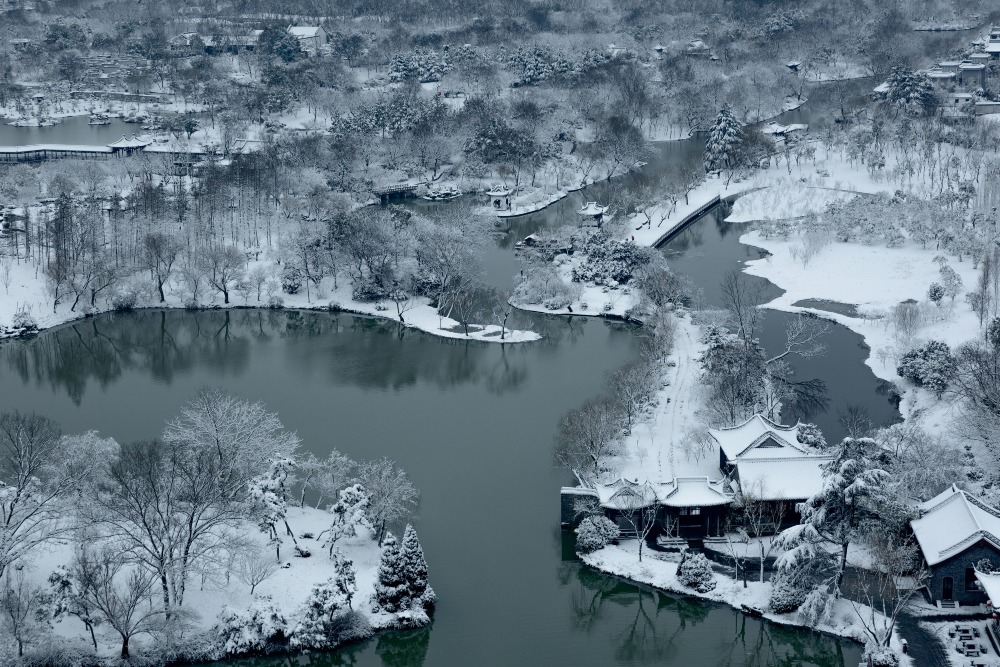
<point x="93" y="637"/>
<point x="124" y="654"/>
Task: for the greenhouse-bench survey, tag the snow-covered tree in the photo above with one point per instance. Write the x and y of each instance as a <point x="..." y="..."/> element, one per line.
<point x="391" y="588"/>
<point x="596" y="532"/>
<point x="910" y="91"/>
<point x="855" y="495"/>
<point x="65" y="599"/>
<point x="694" y="571"/>
<point x="810" y="435"/>
<point x="252" y="629"/>
<point x="787" y="593"/>
<point x="392" y="496"/>
<point x="415" y="568"/>
<point x="935" y="293"/>
<point x="724" y="138"/>
<point x="324" y="602"/>
<point x="929" y="366"/>
<point x="346" y="578"/>
<point x="350" y="511"/>
<point x="268" y="496"/>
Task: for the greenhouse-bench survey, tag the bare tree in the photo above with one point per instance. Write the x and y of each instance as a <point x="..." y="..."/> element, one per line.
<point x="589" y="437"/>
<point x="392" y="496"/>
<point x="742" y="296"/>
<point x="19" y="605"/>
<point x="885" y="590"/>
<point x="159" y="253"/>
<point x="632" y="385"/>
<point x="121" y="594"/>
<point x="39" y="469"/>
<point x="856" y="421"/>
<point x="253" y="569"/>
<point x="761" y="518"/>
<point x="223" y="267"/>
<point x="6" y="264"/>
<point x="803" y="336"/>
<point x="638" y="508"/>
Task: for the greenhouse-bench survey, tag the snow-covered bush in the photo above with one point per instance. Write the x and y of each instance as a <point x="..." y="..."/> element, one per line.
<point x="424" y="66"/>
<point x="275" y="302"/>
<point x="818" y="606"/>
<point x="609" y="262"/>
<point x="879" y="656"/>
<point x="23" y="319"/>
<point x="314" y="628"/>
<point x="786" y="594"/>
<point x="695" y="572"/>
<point x="126" y="297"/>
<point x="368" y="288"/>
<point x="542" y="284"/>
<point x="595" y="532"/>
<point x="291" y="280"/>
<point x="929" y="366"/>
<point x="252" y="630"/>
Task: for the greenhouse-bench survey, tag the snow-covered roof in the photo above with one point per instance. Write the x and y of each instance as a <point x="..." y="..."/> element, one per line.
<point x="592" y="208"/>
<point x="693" y="492"/>
<point x="782" y="478"/>
<point x="624" y="494"/>
<point x="499" y="191"/>
<point x="133" y="142"/>
<point x="952" y="522"/>
<point x="972" y="66"/>
<point x="992" y="47"/>
<point x="759" y="437"/>
<point x="303" y="31"/>
<point x="991" y="586"/>
<point x="937" y="74"/>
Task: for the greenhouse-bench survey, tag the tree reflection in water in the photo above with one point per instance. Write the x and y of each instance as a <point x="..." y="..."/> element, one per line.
<point x="646" y="626"/>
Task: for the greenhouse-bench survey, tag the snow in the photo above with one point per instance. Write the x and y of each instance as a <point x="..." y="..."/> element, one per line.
<point x="777" y="440"/>
<point x="622" y="560"/>
<point x="288" y="587"/>
<point x="991" y="586"/>
<point x="693" y="492"/>
<point x="783" y="479"/>
<point x="954" y="521"/>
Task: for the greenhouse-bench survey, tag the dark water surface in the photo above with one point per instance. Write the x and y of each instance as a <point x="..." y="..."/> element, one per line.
<point x="74" y="131"/>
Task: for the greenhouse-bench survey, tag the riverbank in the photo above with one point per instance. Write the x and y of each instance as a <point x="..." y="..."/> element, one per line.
<point x="26" y="293"/>
<point x="654" y="570"/>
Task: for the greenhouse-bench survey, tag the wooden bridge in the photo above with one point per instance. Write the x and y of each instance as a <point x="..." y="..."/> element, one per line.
<point x="398" y="191"/>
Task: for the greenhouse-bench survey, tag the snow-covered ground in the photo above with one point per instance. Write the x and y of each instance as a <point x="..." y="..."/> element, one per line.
<point x="205" y="598"/>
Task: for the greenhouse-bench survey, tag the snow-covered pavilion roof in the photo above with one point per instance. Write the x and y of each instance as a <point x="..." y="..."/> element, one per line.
<point x="952" y="522"/>
<point x="133" y="142"/>
<point x="782" y="478"/>
<point x="623" y="494"/>
<point x="991" y="586"/>
<point x="693" y="492"/>
<point x="499" y="191"/>
<point x="303" y="31"/>
<point x="759" y="437"/>
<point x="592" y="208"/>
<point x="992" y="47"/>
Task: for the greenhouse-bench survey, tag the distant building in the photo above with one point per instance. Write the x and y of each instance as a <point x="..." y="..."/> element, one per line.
<point x="992" y="46"/>
<point x="971" y="75"/>
<point x="955" y="531"/>
<point x="311" y="39"/>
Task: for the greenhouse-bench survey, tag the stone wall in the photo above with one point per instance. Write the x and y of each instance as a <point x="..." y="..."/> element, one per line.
<point x="955" y="568"/>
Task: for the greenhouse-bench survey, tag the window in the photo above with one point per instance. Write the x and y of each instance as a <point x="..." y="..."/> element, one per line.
<point x="690" y="511"/>
<point x="970" y="579"/>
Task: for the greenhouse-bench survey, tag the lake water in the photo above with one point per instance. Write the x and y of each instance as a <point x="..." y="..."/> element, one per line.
<point x="74" y="131"/>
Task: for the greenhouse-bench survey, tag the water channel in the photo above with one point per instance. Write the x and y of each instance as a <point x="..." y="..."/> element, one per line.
<point x="473" y="426"/>
<point x="75" y="131"/>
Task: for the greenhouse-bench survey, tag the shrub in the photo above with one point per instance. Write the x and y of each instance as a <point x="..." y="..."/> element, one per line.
<point x="23" y="319"/>
<point x="275" y="302"/>
<point x="595" y="532"/>
<point x="879" y="656"/>
<point x="291" y="280"/>
<point x="609" y="262"/>
<point x="252" y="630"/>
<point x="368" y="289"/>
<point x="929" y="366"/>
<point x="557" y="302"/>
<point x="542" y="284"/>
<point x="786" y="595"/>
<point x="696" y="572"/>
<point x="126" y="298"/>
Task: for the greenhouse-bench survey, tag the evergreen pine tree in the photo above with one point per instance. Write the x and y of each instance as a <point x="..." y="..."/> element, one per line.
<point x="414" y="565"/>
<point x="391" y="589"/>
<point x="346" y="578"/>
<point x="723" y="141"/>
